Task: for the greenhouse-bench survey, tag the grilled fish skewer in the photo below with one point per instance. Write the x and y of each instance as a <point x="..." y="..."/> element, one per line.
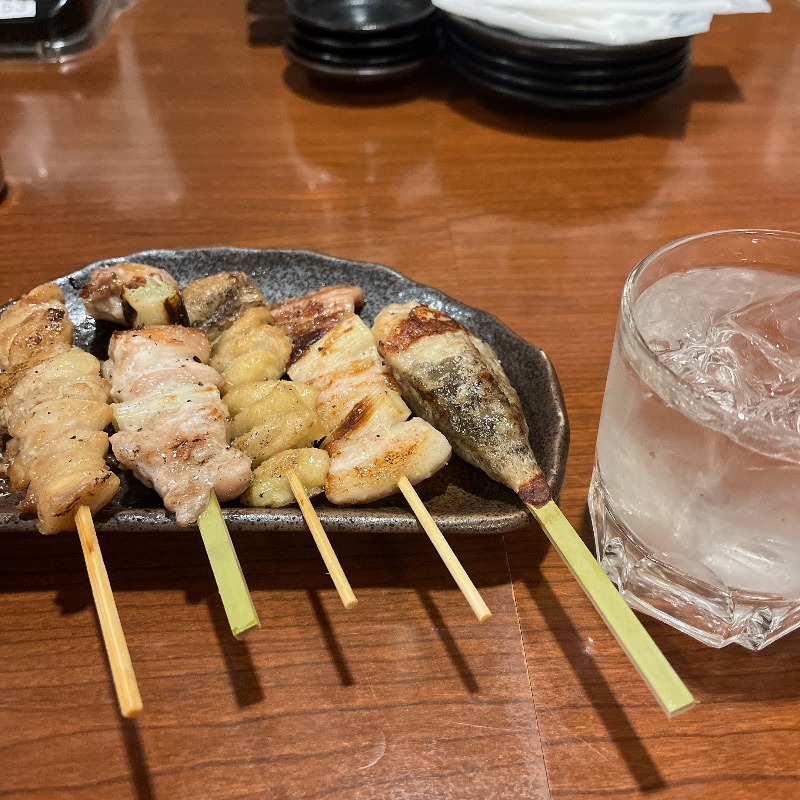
<point x="55" y="404"/>
<point x="455" y="380"/>
<point x="275" y="421"/>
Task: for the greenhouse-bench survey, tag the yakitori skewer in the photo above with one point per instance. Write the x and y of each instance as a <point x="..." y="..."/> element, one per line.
<point x="275" y="422"/>
<point x="455" y="381"/>
<point x="172" y="433"/>
<point x="171" y="420"/>
<point x="375" y="449"/>
<point x="54" y="405"/>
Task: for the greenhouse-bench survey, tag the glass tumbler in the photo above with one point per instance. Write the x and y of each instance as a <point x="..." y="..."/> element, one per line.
<point x="695" y="496"/>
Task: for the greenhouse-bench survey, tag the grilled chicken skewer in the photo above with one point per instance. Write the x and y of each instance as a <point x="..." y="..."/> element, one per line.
<point x="375" y="449"/>
<point x="275" y="422"/>
<point x="172" y="432"/>
<point x="371" y="444"/>
<point x="171" y="420"/>
<point x="454" y="379"/>
<point x="173" y="425"/>
<point x="54" y="404"/>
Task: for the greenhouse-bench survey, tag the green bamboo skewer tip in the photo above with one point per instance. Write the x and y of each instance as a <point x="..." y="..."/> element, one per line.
<point x="233" y="591"/>
<point x="643" y="652"/>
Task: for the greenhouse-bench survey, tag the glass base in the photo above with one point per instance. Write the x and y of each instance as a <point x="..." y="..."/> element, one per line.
<point x="715" y="614"/>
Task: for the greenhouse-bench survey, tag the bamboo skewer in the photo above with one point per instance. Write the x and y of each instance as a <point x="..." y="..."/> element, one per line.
<point x="442" y="546"/>
<point x="656" y="671"/>
<point x="323" y="543"/>
<point x="128" y="697"/>
<point x="236" y="599"/>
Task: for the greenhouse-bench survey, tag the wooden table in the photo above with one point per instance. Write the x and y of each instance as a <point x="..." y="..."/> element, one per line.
<point x="176" y="133"/>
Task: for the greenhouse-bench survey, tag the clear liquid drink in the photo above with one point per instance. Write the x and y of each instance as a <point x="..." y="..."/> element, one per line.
<point x="695" y="496"/>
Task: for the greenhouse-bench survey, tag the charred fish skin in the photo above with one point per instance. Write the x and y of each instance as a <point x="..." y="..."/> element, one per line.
<point x="455" y="381"/>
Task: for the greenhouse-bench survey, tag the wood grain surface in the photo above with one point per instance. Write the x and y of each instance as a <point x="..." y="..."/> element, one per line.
<point x="176" y="132"/>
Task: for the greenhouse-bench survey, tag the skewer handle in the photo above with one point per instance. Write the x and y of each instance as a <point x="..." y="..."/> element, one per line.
<point x="233" y="591"/>
<point x="128" y="697"/>
<point x="323" y="543"/>
<point x="650" y="662"/>
<point x="442" y="546"/>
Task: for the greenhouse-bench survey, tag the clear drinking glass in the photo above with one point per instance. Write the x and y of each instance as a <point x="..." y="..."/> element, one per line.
<point x="695" y="496"/>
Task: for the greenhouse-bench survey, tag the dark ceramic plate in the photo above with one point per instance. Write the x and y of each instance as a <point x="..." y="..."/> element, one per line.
<point x="333" y="42"/>
<point x="539" y="68"/>
<point x="358" y="75"/>
<point x="369" y="16"/>
<point x="570" y="104"/>
<point x="560" y="50"/>
<point x="461" y="498"/>
<point x="563" y="88"/>
<point x="354" y="58"/>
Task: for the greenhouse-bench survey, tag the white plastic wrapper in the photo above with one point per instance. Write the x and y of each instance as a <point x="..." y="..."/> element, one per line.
<point x="601" y="21"/>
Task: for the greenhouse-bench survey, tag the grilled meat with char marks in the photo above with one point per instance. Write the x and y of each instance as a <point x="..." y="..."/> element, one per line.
<point x="308" y="318"/>
<point x="37" y="326"/>
<point x="175" y="439"/>
<point x="373" y="443"/>
<point x="54" y="404"/>
<point x="134" y="295"/>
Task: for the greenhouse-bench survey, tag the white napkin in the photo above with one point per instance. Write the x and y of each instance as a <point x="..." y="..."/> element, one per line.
<point x="601" y="21"/>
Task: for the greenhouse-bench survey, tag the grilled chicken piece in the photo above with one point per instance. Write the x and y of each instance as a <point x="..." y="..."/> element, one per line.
<point x="37" y="326"/>
<point x="251" y="349"/>
<point x="71" y="376"/>
<point x="308" y="318"/>
<point x="454" y="380"/>
<point x="176" y="440"/>
<point x="161" y="357"/>
<point x="376" y="445"/>
<point x="343" y="366"/>
<point x="54" y="404"/>
<point x="213" y="303"/>
<point x="59" y="458"/>
<point x="134" y="295"/>
<point x="373" y="444"/>
<point x="270" y="486"/>
<point x="284" y="418"/>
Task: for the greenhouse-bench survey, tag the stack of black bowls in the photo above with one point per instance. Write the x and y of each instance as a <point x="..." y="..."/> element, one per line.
<point x="362" y="42"/>
<point x="563" y="76"/>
